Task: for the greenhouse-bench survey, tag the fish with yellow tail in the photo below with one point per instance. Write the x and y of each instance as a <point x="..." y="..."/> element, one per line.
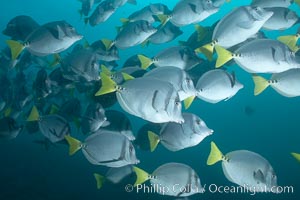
<point x="245" y="168"/>
<point x="176" y="136"/>
<point x="285" y="83"/>
<point x="174" y="179"/>
<point x="260" y="56"/>
<point x="155" y="101"/>
<point x="105" y="148"/>
<point x="236" y="27"/>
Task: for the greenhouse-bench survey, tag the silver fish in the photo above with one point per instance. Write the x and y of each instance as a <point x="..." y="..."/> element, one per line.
<point x="50" y="38"/>
<point x="106" y="148"/>
<point x="282" y="19"/>
<point x="217" y="85"/>
<point x="157" y="101"/>
<point x="245" y="168"/>
<point x="285" y="83"/>
<point x="176" y="136"/>
<point x="188" y="12"/>
<point x="102" y="12"/>
<point x="171" y="175"/>
<point x="93" y="118"/>
<point x="182" y="57"/>
<point x="260" y="56"/>
<point x="236" y="27"/>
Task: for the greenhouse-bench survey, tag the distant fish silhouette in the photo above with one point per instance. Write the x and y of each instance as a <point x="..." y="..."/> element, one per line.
<point x="249" y="110"/>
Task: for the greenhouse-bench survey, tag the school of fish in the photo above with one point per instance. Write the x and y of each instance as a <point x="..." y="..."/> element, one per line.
<point x="59" y="95"/>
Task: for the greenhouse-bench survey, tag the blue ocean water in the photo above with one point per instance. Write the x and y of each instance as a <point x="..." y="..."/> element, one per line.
<point x="267" y="124"/>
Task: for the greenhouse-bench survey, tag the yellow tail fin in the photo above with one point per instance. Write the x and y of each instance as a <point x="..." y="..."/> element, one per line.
<point x="105" y="70"/>
<point x="145" y="62"/>
<point x="54" y="109"/>
<point x="7" y="111"/>
<point x="15" y="48"/>
<point x="163" y="18"/>
<point x="108" y="85"/>
<point x="296" y="155"/>
<point x="297" y="2"/>
<point x="223" y="56"/>
<point x="153" y="139"/>
<point x="207" y="50"/>
<point x="34" y="115"/>
<point x="99" y="180"/>
<point x="188" y="102"/>
<point x="55" y="61"/>
<point x="215" y="155"/>
<point x="290" y="41"/>
<point x="74" y="144"/>
<point x="260" y="84"/>
<point x="107" y="43"/>
<point x="141" y="176"/>
<point x="127" y="77"/>
<point x="201" y="31"/>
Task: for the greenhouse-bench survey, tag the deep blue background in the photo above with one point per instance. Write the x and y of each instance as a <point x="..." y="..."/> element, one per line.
<point x="27" y="171"/>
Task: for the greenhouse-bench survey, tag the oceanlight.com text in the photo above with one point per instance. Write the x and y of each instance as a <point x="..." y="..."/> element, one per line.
<point x="212" y="188"/>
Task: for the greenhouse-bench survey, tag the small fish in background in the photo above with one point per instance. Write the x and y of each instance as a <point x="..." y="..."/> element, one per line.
<point x="142" y="139"/>
<point x="9" y="128"/>
<point x="165" y="33"/>
<point x="133" y="34"/>
<point x="156" y="102"/>
<point x="54" y="127"/>
<point x="119" y="3"/>
<point x="170" y="174"/>
<point x="188" y="12"/>
<point x="182" y="57"/>
<point x="236" y="27"/>
<point x="147" y="13"/>
<point x="113" y="175"/>
<point x="102" y="12"/>
<point x="59" y="84"/>
<point x="93" y="118"/>
<point x="70" y="110"/>
<point x="87" y="5"/>
<point x="106" y="148"/>
<point x="260" y="56"/>
<point x="20" y="27"/>
<point x="104" y="54"/>
<point x="201" y="36"/>
<point x="217" y="85"/>
<point x="50" y="38"/>
<point x="274" y="3"/>
<point x="245" y="168"/>
<point x="286" y="83"/>
<point x="119" y="123"/>
<point x="176" y="136"/>
<point x="81" y="65"/>
<point x="282" y="19"/>
<point x="249" y="110"/>
<point x="42" y="85"/>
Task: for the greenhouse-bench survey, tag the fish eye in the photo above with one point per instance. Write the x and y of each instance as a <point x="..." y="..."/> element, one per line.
<point x="198" y="122"/>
